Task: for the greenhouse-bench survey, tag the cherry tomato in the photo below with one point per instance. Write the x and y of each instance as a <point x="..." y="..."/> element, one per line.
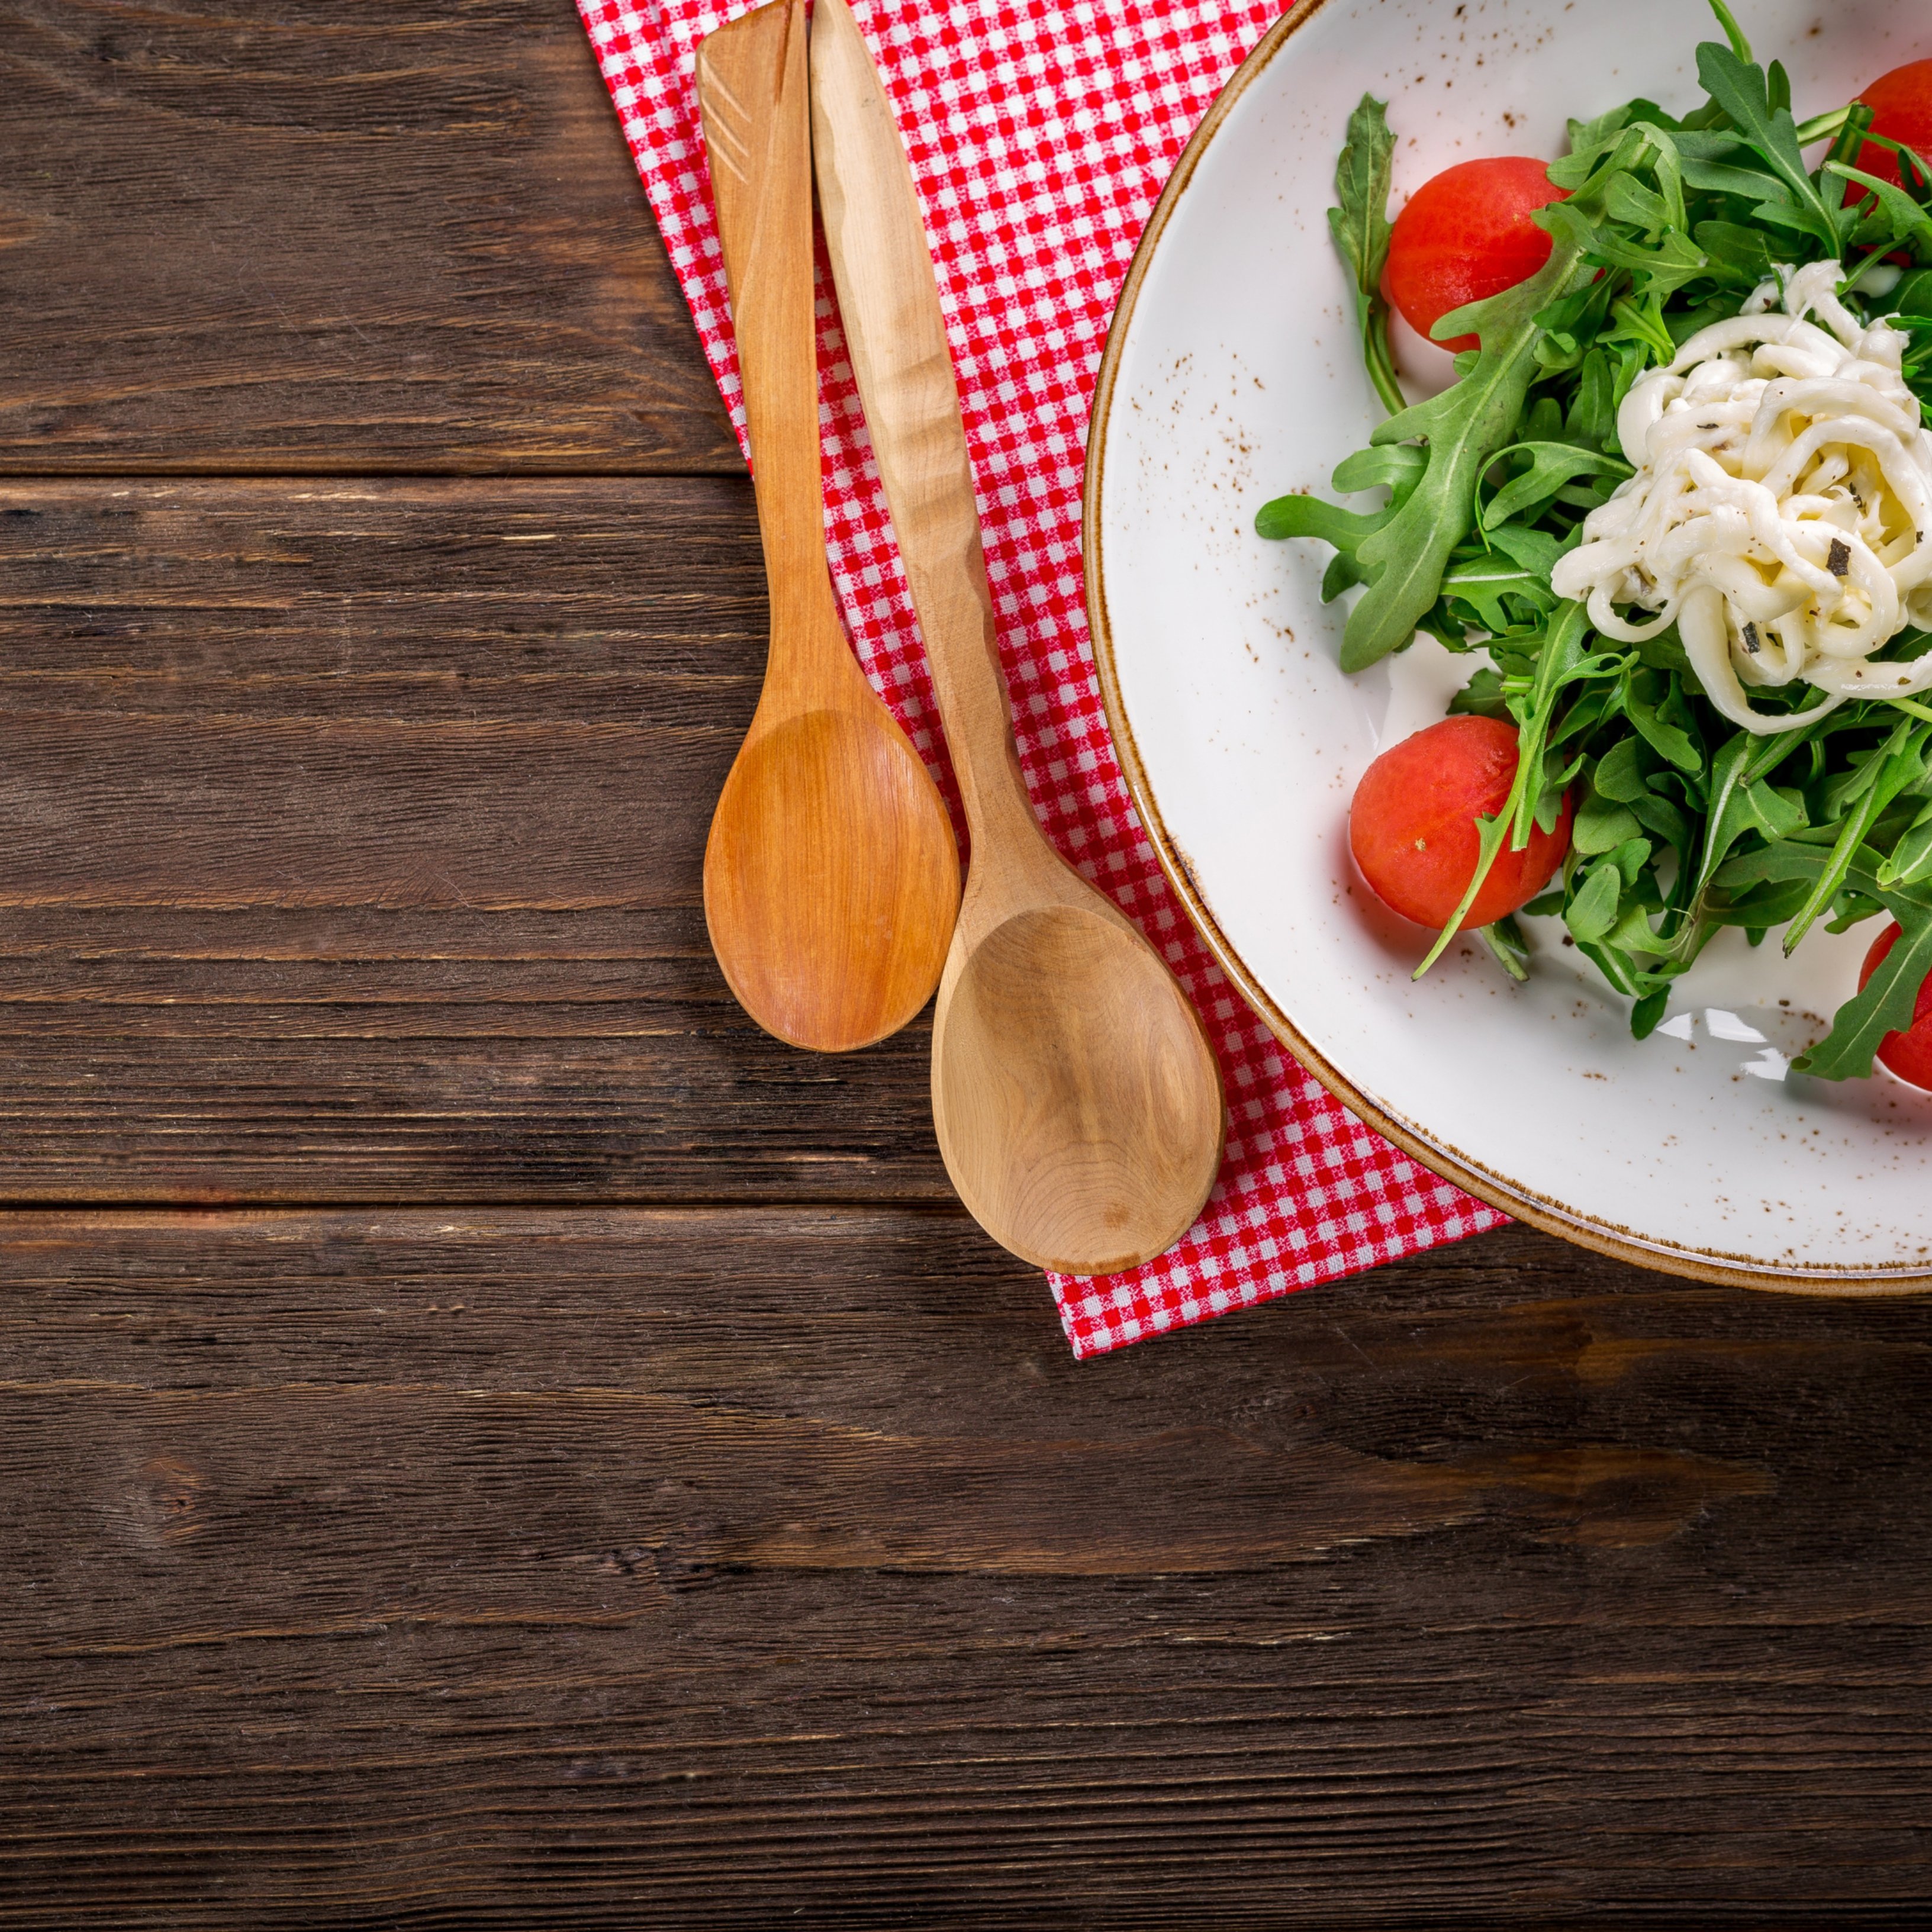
<point x="1909" y="1054"/>
<point x="1901" y="105"/>
<point x="1412" y="826"/>
<point x="1466" y="234"/>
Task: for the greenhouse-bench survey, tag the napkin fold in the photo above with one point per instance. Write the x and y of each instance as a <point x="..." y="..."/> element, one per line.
<point x="1040" y="136"/>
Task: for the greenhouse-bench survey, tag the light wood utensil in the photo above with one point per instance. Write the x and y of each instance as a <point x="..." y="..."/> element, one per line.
<point x="831" y="875"/>
<point x="1076" y="1098"/>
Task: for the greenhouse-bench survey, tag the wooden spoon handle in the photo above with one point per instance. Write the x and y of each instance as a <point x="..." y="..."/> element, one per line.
<point x="753" y="94"/>
<point x="896" y="334"/>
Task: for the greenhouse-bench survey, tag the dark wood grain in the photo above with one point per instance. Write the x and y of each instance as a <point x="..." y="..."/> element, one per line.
<point x="710" y="1568"/>
<point x="350" y="849"/>
<point x="331" y="235"/>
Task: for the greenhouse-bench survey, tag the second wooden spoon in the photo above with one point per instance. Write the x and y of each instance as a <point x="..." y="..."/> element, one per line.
<point x="1076" y="1098"/>
<point x="831" y="876"/>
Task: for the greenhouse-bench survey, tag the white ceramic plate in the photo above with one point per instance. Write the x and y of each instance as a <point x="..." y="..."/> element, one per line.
<point x="1231" y="376"/>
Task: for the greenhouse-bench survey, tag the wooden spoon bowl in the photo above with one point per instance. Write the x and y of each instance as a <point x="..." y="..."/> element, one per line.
<point x="1075" y="1096"/>
<point x="830" y="940"/>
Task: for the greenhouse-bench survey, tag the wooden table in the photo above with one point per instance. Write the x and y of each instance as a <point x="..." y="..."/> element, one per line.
<point x="490" y="1439"/>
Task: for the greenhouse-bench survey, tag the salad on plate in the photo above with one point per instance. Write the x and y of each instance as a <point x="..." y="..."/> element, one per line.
<point x="1676" y="510"/>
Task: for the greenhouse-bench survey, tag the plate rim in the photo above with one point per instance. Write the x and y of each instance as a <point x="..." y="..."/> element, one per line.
<point x="1621" y="1244"/>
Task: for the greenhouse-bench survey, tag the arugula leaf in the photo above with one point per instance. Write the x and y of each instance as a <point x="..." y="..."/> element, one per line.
<point x="1592" y="420"/>
<point x="1742" y="252"/>
<point x="1568" y="329"/>
<point x="1397" y="469"/>
<point x="1903" y="219"/>
<point x="1396" y="466"/>
<point x="1820" y="125"/>
<point x="1482" y="581"/>
<point x="1898" y="769"/>
<point x="1759" y="909"/>
<point x="1674" y="260"/>
<point x="1299" y="515"/>
<point x="1561" y="661"/>
<point x="1463" y="427"/>
<point x="1482" y="697"/>
<point x="1361" y="227"/>
<point x="1744" y="93"/>
<point x="1551" y="465"/>
<point x="1658" y="815"/>
<point x="1534" y="550"/>
<point x="1342" y="574"/>
<point x="1617" y="969"/>
<point x="1887" y="1002"/>
<point x="1642" y="325"/>
<point x="1504" y="938"/>
<point x="1848" y="143"/>
<point x="1590" y="141"/>
<point x="1601" y="825"/>
<point x="1654" y="703"/>
<point x="1707" y="143"/>
<point x="1796" y="859"/>
<point x="1733" y="32"/>
<point x="1913" y="174"/>
<point x="1591" y="914"/>
<point x="1647" y="1012"/>
<point x="1742" y="801"/>
<point x="1621" y="774"/>
<point x="1857" y="773"/>
<point x="1910" y="863"/>
<point x="1721" y="178"/>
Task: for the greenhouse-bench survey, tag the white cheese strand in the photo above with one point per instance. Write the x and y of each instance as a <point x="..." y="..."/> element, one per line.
<point x="1781" y="509"/>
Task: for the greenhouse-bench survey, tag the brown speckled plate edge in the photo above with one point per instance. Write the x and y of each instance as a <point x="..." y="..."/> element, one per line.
<point x="1623" y="1243"/>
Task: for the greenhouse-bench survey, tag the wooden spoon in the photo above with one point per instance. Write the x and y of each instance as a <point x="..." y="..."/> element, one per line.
<point x="1076" y="1098"/>
<point x="831" y="876"/>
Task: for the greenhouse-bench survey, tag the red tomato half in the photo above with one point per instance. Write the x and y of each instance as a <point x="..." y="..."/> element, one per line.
<point x="1412" y="826"/>
<point x="1464" y="235"/>
<point x="1901" y="105"/>
<point x="1909" y="1054"/>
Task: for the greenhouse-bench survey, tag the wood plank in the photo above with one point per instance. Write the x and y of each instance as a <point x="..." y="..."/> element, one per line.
<point x="319" y="235"/>
<point x="350" y="849"/>
<point x="653" y="1568"/>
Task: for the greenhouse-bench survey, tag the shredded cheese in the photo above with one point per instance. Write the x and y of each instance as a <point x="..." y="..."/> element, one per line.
<point x="1781" y="508"/>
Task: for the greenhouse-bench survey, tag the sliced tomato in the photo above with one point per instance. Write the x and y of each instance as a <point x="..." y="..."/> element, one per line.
<point x="1909" y="1054"/>
<point x="1412" y="826"/>
<point x="1466" y="235"/>
<point x="1901" y="105"/>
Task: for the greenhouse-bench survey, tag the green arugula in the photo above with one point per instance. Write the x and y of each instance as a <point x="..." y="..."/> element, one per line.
<point x="1683" y="825"/>
<point x="1560" y="662"/>
<point x="1361" y="227"/>
<point x="1463" y="429"/>
<point x="1901" y="765"/>
<point x="1551" y="465"/>
<point x="1744" y="92"/>
<point x="1909" y="863"/>
<point x="1886" y="1004"/>
<point x="1895" y="219"/>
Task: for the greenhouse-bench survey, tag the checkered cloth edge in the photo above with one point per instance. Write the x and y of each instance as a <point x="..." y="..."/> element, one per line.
<point x="1040" y="135"/>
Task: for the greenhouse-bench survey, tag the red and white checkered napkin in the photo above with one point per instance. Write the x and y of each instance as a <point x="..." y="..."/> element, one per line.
<point x="1040" y="135"/>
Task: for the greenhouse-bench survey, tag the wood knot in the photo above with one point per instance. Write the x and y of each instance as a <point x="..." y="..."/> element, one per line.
<point x="171" y="1491"/>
